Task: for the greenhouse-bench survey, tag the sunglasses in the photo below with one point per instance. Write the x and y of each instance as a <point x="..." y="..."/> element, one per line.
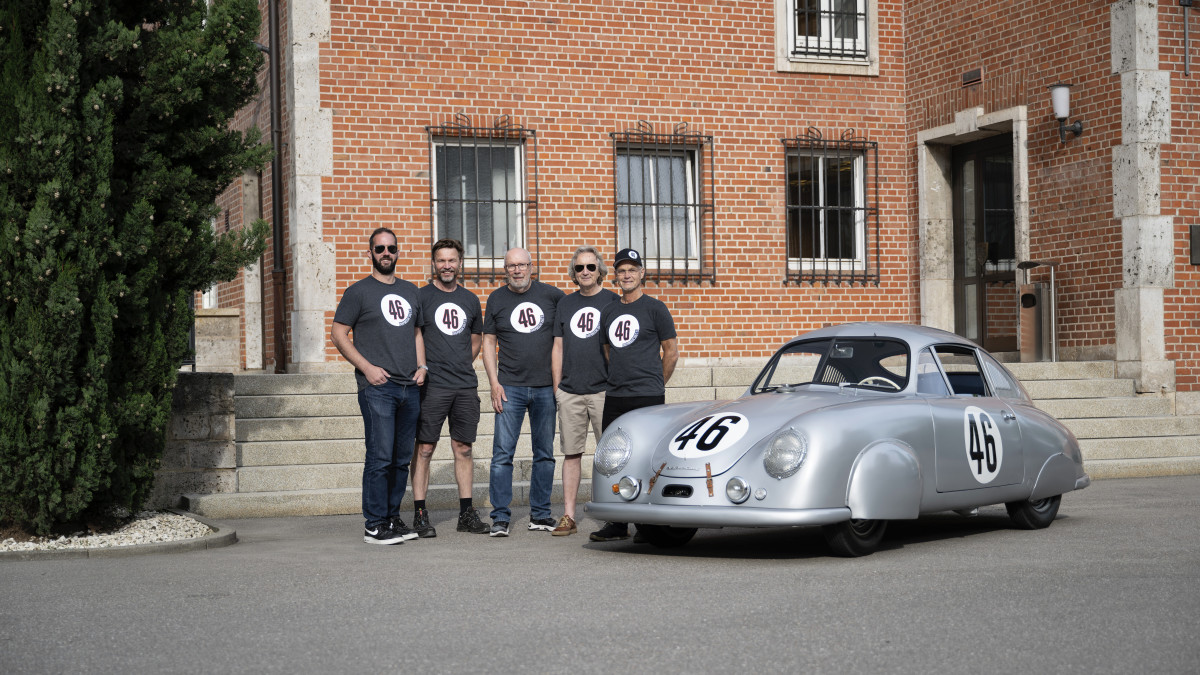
<point x="591" y="267"/>
<point x="380" y="248"/>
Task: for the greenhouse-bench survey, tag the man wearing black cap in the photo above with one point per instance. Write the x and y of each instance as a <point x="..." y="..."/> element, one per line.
<point x="641" y="347"/>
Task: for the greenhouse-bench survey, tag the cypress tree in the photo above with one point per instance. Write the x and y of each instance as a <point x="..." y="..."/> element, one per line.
<point x="114" y="144"/>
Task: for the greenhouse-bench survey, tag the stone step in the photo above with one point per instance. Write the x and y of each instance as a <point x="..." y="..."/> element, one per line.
<point x="1140" y="448"/>
<point x="1134" y="427"/>
<point x="1100" y="469"/>
<point x="1152" y="405"/>
<point x="280" y="453"/>
<point x="1041" y="390"/>
<point x="346" y="501"/>
<point x="1063" y="370"/>
<point x="333" y="476"/>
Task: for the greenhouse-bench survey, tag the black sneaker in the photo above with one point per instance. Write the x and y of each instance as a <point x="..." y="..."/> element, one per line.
<point x="468" y="521"/>
<point x="499" y="529"/>
<point x="611" y="532"/>
<point x="543" y="524"/>
<point x="421" y="524"/>
<point x="382" y="534"/>
<point x="401" y="529"/>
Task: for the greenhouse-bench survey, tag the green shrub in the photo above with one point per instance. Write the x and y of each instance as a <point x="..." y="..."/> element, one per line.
<point x="114" y="144"/>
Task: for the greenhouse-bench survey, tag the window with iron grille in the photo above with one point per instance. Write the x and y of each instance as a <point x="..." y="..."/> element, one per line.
<point x="483" y="190"/>
<point x="832" y="209"/>
<point x="828" y="36"/>
<point x="663" y="201"/>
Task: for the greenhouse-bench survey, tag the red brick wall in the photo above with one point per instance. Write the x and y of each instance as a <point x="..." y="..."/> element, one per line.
<point x="575" y="72"/>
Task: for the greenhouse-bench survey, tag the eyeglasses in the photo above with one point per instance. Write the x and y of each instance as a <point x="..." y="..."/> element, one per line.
<point x="380" y="248"/>
<point x="517" y="266"/>
<point x="591" y="267"/>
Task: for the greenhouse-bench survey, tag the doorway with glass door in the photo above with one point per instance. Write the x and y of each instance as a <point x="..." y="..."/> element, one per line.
<point x="985" y="295"/>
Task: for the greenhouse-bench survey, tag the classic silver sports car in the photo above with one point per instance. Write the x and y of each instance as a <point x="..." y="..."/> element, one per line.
<point x="845" y="428"/>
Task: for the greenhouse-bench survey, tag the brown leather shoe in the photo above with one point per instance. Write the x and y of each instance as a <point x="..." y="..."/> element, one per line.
<point x="566" y="525"/>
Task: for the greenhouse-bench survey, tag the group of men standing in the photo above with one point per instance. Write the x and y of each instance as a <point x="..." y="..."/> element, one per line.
<point x="590" y="356"/>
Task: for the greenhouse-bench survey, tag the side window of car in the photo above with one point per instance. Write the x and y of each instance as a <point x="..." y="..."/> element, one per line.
<point x="962" y="370"/>
<point x="929" y="376"/>
<point x="1002" y="382"/>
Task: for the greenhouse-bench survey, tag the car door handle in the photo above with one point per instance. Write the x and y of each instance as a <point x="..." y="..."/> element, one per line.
<point x="1009" y="416"/>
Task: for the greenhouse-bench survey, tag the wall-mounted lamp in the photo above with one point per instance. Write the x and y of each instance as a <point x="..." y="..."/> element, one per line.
<point x="1060" y="96"/>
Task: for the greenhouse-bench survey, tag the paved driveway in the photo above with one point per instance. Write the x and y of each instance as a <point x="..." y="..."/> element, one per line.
<point x="1112" y="586"/>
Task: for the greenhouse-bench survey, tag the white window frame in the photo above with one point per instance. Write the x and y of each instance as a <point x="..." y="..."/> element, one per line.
<point x="655" y="260"/>
<point x="471" y="257"/>
<point x="786" y="41"/>
<point x="858" y="262"/>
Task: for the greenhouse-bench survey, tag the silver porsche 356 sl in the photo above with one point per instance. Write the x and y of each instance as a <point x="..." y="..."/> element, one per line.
<point x="845" y="428"/>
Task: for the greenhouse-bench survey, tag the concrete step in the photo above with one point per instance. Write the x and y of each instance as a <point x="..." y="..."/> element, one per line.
<point x="345" y="501"/>
<point x="1140" y="448"/>
<point x="1134" y="427"/>
<point x="1142" y="468"/>
<point x="1053" y="389"/>
<point x="1063" y="370"/>
<point x="1152" y="405"/>
<point x="299" y="428"/>
<point x="333" y="476"/>
<point x="308" y="383"/>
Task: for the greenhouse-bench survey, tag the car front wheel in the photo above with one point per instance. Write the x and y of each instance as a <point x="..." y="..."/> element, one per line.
<point x="854" y="538"/>
<point x="1034" y="515"/>
<point x="665" y="535"/>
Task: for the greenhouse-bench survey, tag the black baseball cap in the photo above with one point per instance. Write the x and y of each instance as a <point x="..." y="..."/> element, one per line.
<point x="628" y="255"/>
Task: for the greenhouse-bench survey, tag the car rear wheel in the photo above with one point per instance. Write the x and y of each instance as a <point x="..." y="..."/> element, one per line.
<point x="854" y="538"/>
<point x="665" y="535"/>
<point x="1034" y="515"/>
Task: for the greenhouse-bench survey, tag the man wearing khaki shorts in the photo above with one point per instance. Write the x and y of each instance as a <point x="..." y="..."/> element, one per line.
<point x="579" y="370"/>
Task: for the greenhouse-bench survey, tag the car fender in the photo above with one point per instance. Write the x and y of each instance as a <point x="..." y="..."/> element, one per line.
<point x="885" y="482"/>
<point x="1057" y="476"/>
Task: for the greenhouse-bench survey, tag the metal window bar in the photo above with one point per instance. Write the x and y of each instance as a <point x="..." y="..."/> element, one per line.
<point x="831" y="222"/>
<point x="475" y="211"/>
<point x="830" y="29"/>
<point x="666" y="195"/>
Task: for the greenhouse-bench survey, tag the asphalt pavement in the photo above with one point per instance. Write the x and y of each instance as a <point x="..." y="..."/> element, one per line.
<point x="1113" y="586"/>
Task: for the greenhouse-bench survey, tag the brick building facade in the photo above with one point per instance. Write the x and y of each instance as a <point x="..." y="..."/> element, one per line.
<point x="784" y="163"/>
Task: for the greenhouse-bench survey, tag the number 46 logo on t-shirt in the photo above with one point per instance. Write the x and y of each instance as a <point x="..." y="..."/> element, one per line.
<point x="396" y="309"/>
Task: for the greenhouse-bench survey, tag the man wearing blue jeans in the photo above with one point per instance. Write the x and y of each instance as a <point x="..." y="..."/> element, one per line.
<point x="388" y="355"/>
<point x="519" y="320"/>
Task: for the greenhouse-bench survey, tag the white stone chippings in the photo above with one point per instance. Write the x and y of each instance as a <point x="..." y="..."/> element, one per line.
<point x="148" y="527"/>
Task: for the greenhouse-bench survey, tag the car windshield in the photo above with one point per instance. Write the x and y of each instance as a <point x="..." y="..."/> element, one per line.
<point x="872" y="363"/>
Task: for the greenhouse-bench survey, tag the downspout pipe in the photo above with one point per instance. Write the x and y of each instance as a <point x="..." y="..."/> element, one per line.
<point x="278" y="272"/>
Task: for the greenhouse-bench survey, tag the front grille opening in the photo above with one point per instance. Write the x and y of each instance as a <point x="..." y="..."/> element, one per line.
<point x="680" y="491"/>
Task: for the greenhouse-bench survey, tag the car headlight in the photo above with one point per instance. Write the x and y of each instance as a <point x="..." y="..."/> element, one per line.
<point x="629" y="488"/>
<point x="737" y="489"/>
<point x="613" y="453"/>
<point x="785" y="453"/>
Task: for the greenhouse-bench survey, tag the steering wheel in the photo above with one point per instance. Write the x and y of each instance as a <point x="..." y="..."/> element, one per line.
<point x="879" y="380"/>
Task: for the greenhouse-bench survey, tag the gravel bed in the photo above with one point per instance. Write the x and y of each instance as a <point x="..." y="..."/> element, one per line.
<point x="147" y="527"/>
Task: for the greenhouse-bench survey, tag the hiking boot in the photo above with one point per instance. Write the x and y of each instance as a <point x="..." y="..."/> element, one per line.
<point x="499" y="529"/>
<point x="542" y="524"/>
<point x="468" y="521"/>
<point x="566" y="525"/>
<point x="421" y="524"/>
<point x="398" y="526"/>
<point x="611" y="532"/>
<point x="382" y="534"/>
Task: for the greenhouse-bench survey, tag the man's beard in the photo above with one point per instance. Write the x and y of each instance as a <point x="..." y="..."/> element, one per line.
<point x="383" y="268"/>
<point x="521" y="285"/>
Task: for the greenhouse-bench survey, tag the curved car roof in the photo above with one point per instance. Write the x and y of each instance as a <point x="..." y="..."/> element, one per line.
<point x="916" y="336"/>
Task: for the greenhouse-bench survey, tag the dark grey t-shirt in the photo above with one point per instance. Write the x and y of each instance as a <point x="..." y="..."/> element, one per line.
<point x="522" y="324"/>
<point x="577" y="322"/>
<point x="384" y="319"/>
<point x="449" y="321"/>
<point x="633" y="334"/>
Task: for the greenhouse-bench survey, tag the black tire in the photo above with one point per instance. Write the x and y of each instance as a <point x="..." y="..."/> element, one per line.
<point x="665" y="536"/>
<point x="854" y="538"/>
<point x="1034" y="515"/>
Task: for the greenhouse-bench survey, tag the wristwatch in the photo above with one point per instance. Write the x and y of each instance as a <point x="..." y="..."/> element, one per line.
<point x="422" y="367"/>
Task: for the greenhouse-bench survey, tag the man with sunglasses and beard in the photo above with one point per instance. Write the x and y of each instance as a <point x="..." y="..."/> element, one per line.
<point x="580" y="371"/>
<point x="388" y="354"/>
